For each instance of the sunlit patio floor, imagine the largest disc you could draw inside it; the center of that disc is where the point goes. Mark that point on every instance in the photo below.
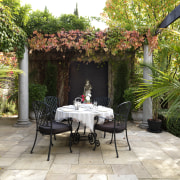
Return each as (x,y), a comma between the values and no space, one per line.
(153,156)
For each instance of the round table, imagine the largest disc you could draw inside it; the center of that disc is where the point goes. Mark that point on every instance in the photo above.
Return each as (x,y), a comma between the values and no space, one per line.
(85,114)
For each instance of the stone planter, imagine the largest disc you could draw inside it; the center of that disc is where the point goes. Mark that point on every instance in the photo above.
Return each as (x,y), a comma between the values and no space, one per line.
(137,116)
(32,115)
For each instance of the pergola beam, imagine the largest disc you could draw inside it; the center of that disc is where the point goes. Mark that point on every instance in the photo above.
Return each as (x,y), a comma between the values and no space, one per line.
(169,19)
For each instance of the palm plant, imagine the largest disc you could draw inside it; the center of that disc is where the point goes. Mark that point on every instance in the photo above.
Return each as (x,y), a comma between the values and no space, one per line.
(163,88)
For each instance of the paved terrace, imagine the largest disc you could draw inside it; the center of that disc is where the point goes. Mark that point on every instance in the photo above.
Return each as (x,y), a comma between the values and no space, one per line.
(153,156)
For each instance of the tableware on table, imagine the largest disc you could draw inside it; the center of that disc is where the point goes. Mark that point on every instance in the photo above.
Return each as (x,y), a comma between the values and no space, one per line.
(77,104)
(95,105)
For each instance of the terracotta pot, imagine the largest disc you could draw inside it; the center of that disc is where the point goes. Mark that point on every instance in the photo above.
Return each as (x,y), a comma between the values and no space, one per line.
(155,125)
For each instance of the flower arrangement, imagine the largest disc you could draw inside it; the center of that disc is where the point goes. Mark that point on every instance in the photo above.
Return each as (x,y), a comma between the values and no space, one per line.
(86,99)
(83,98)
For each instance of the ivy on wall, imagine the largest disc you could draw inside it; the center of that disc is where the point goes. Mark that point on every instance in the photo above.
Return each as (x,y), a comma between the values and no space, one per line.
(121,79)
(87,42)
(12,37)
(51,75)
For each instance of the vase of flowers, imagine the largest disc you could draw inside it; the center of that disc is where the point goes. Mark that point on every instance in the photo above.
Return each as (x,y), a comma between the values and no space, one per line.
(86,99)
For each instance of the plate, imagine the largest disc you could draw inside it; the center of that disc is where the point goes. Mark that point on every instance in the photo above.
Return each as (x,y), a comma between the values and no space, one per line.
(68,107)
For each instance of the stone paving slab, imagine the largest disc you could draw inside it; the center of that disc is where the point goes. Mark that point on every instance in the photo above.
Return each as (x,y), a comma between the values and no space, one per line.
(153,156)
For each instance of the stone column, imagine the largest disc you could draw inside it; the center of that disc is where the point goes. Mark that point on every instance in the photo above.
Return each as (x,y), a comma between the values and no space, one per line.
(147,105)
(23,105)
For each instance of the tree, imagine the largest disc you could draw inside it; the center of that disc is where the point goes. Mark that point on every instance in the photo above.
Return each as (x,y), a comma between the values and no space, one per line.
(137,15)
(73,22)
(76,11)
(42,21)
(46,23)
(19,13)
(12,37)
(145,16)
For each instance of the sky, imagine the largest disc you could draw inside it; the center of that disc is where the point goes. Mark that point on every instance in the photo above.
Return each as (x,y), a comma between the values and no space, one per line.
(86,8)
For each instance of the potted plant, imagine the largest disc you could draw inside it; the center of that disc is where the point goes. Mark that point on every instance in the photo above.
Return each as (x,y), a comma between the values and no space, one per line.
(37,92)
(164,88)
(130,95)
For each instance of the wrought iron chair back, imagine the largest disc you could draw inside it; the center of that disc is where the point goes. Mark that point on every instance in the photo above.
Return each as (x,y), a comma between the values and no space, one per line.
(46,125)
(103,101)
(42,112)
(116,125)
(53,103)
(123,113)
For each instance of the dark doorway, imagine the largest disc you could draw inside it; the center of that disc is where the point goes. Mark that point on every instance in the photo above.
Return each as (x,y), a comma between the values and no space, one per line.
(97,74)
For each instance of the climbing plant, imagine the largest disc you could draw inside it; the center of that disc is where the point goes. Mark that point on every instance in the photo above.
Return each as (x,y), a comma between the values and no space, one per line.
(86,42)
(50,81)
(12,37)
(145,17)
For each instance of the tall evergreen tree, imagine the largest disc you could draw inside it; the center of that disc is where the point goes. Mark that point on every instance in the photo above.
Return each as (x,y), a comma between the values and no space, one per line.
(76,11)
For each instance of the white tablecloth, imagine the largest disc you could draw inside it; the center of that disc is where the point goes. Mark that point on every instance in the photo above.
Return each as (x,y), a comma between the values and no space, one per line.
(85,114)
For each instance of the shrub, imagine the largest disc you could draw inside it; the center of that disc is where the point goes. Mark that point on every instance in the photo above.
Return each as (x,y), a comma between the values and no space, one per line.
(51,79)
(37,92)
(173,126)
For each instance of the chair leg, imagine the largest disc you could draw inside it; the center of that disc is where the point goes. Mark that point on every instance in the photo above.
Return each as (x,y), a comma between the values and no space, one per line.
(95,142)
(84,129)
(54,137)
(34,142)
(50,144)
(117,155)
(128,140)
(70,142)
(104,134)
(111,138)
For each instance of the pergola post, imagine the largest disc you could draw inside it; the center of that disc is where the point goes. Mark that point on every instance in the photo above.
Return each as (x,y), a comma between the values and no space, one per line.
(23,105)
(147,105)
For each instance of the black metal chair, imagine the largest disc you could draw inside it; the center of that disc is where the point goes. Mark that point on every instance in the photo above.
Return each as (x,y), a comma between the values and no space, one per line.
(103,101)
(53,102)
(116,125)
(47,126)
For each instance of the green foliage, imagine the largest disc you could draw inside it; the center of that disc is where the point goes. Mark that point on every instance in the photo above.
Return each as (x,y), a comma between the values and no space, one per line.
(119,40)
(120,81)
(164,88)
(19,13)
(138,14)
(167,56)
(72,22)
(42,21)
(12,37)
(173,126)
(141,15)
(7,107)
(51,79)
(46,23)
(7,72)
(130,95)
(76,11)
(37,92)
